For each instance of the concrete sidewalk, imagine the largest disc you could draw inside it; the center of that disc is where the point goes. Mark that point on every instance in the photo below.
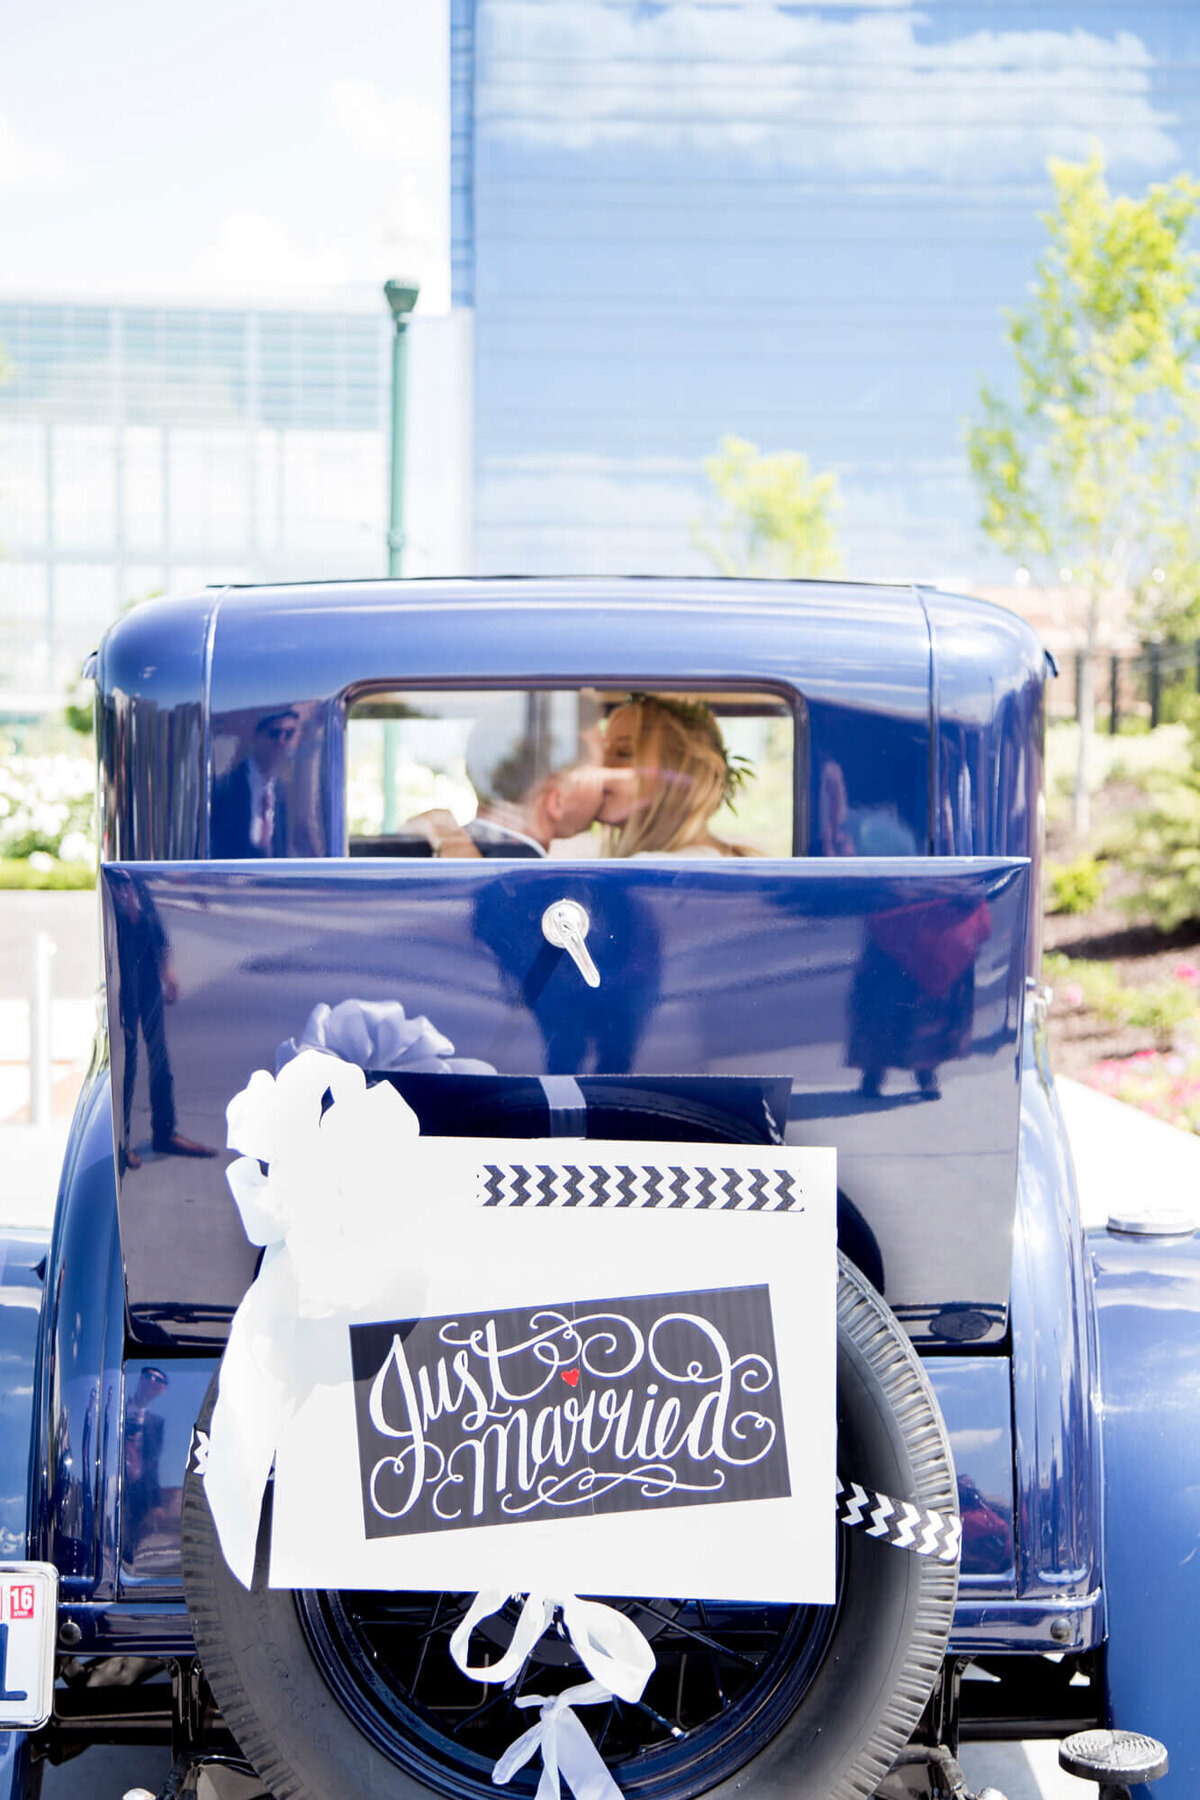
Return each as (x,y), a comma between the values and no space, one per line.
(1124,1159)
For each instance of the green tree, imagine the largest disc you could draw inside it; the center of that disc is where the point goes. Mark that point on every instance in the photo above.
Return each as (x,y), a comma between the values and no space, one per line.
(776,516)
(1090,470)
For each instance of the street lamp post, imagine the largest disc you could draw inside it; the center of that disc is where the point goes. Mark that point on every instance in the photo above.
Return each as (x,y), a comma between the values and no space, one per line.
(401,297)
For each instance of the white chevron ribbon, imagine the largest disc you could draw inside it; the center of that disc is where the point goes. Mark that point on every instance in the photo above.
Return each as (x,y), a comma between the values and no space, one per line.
(923,1530)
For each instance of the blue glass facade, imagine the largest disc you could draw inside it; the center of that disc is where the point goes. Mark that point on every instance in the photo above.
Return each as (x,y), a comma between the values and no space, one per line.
(676,219)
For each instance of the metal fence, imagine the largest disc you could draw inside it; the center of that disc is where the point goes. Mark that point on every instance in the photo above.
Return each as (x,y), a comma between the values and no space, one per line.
(1145,685)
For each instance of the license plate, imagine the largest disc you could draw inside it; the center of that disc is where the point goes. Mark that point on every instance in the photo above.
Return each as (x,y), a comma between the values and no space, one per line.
(28,1620)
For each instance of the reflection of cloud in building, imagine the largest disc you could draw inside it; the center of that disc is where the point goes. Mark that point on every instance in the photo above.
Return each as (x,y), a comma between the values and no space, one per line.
(595,514)
(609,514)
(861,93)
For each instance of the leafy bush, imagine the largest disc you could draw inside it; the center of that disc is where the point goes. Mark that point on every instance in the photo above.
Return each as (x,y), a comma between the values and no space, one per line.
(41,871)
(1161,850)
(46,807)
(1074,887)
(1160,1007)
(1080,982)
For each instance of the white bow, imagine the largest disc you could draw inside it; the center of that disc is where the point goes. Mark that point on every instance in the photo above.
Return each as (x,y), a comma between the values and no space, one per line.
(379,1035)
(607,1642)
(314,1208)
(566,1748)
(317,1205)
(615,1655)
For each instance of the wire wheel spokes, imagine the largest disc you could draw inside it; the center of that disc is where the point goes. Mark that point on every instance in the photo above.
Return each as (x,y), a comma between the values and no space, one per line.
(726,1675)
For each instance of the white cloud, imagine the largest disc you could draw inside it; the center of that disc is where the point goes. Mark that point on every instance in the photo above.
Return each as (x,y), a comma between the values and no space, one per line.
(252,251)
(861,94)
(408,133)
(402,146)
(390,155)
(25,160)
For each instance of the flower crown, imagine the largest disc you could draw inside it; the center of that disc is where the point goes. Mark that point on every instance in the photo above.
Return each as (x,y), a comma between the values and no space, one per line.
(697,714)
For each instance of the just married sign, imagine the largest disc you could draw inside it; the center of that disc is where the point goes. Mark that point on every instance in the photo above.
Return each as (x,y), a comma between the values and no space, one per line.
(563,1366)
(565,1411)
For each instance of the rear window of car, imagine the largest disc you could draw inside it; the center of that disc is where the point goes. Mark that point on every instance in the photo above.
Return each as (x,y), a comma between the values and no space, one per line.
(570,772)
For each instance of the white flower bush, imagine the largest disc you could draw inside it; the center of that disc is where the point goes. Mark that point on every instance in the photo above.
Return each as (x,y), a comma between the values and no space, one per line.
(46,808)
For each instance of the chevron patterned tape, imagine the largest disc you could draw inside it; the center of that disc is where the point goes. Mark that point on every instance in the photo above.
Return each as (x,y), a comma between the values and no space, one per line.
(616,1185)
(899,1522)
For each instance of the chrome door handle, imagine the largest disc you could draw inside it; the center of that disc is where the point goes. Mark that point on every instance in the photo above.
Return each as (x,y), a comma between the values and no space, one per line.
(565,925)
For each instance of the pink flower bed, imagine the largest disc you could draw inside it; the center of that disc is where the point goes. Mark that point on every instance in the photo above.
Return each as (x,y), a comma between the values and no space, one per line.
(1165,1083)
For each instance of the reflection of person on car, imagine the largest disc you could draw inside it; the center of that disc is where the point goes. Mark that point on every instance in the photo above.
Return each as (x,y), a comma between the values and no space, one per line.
(669,773)
(912,1001)
(141,1493)
(249,805)
(147,982)
(527,793)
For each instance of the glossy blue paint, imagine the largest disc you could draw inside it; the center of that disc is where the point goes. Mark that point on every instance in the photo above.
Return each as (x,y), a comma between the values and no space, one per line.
(22,1273)
(130,1627)
(1053,1369)
(1069,1377)
(995,1627)
(784,971)
(818,643)
(78,1411)
(989,744)
(163,1397)
(1147,1315)
(973,1392)
(943,769)
(151,729)
(16,1765)
(975,1395)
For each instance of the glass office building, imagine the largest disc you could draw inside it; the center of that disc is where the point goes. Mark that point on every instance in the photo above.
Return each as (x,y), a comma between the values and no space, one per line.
(150,448)
(797,223)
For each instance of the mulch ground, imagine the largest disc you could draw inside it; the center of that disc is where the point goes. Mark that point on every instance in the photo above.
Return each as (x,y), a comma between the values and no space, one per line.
(1140,955)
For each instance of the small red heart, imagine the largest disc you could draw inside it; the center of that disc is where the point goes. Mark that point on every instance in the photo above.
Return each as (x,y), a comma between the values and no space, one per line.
(570,1376)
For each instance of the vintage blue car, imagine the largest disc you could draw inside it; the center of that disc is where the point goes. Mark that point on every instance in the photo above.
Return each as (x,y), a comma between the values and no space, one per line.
(748,865)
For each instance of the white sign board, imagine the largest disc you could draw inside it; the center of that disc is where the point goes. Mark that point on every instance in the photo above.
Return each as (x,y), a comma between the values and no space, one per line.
(609,1368)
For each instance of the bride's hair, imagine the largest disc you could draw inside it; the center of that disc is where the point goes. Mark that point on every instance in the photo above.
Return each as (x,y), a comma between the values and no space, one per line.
(683,774)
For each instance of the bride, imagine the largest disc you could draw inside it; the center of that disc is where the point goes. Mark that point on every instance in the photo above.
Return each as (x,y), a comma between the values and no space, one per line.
(671,773)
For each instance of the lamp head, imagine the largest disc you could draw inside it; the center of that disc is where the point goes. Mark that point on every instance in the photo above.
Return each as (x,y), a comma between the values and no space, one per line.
(401,296)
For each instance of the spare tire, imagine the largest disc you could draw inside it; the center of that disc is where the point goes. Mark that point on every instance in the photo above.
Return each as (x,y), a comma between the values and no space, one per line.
(336,1694)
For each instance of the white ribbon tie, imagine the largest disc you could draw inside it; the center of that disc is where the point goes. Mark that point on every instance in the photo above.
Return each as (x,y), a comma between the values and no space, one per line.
(614,1653)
